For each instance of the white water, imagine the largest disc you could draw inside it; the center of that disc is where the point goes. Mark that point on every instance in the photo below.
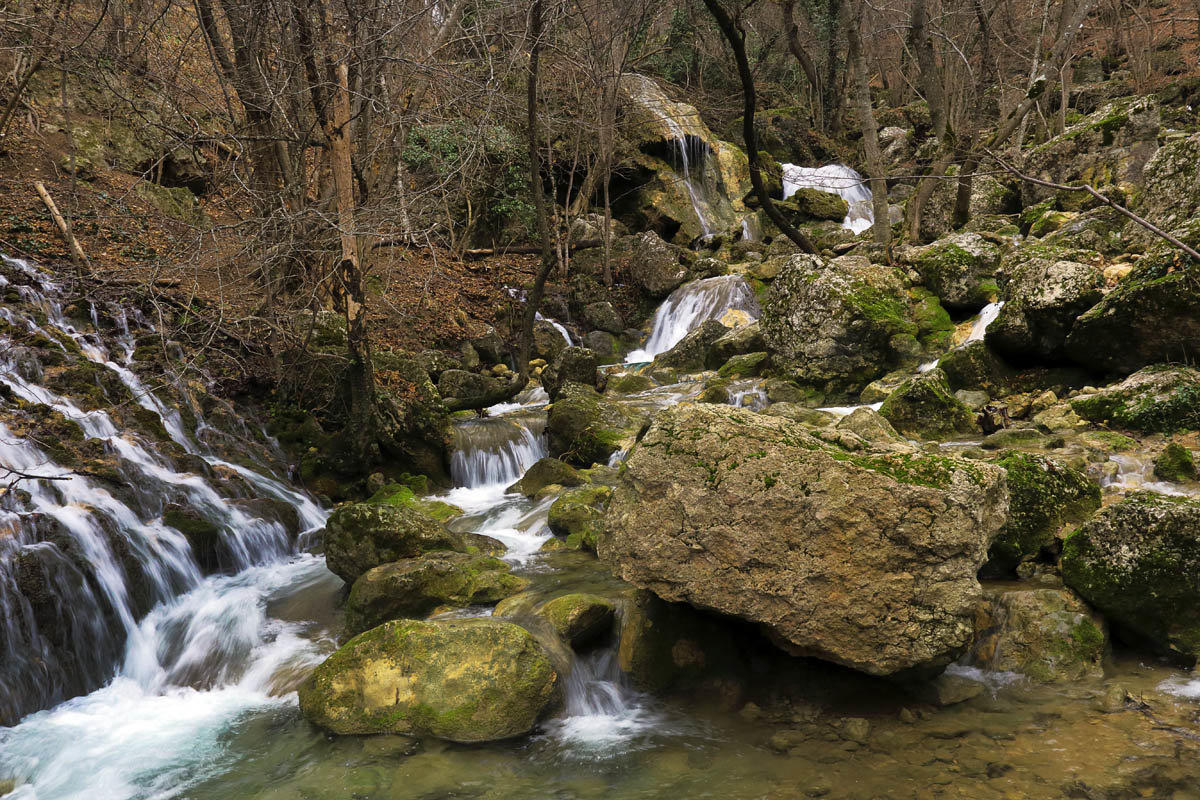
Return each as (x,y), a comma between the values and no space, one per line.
(205,654)
(987,316)
(845,411)
(496,451)
(835,179)
(690,306)
(1135,473)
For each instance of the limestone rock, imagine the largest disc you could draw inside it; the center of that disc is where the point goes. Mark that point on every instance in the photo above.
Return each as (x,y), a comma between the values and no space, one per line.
(1046,634)
(736,342)
(603,317)
(924,406)
(960,269)
(574,364)
(692,351)
(1041,302)
(578,515)
(586,428)
(362,535)
(547,472)
(752,516)
(1157,399)
(1175,463)
(470,680)
(579,618)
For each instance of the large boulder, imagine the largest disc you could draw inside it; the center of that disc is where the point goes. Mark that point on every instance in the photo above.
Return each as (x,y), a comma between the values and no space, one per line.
(865,559)
(1138,562)
(586,427)
(1170,196)
(1045,634)
(837,327)
(462,390)
(1044,494)
(960,269)
(654,266)
(1157,399)
(361,536)
(548,341)
(602,316)
(925,407)
(574,364)
(469,680)
(577,515)
(738,341)
(580,619)
(692,351)
(1041,302)
(977,367)
(547,472)
(413,588)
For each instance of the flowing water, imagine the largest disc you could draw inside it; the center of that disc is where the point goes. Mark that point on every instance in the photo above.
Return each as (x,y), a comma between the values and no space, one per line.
(987,316)
(691,305)
(835,179)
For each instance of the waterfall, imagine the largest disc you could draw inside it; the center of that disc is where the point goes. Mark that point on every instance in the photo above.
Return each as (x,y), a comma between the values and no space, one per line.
(87,563)
(690,306)
(986,317)
(496,451)
(834,179)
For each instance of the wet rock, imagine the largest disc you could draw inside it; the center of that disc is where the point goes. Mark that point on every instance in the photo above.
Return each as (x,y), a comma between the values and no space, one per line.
(1175,463)
(604,345)
(585,427)
(548,341)
(603,317)
(579,619)
(490,346)
(627,384)
(1157,399)
(547,472)
(1045,634)
(925,407)
(855,729)
(1138,562)
(473,680)
(413,588)
(652,265)
(692,351)
(574,364)
(960,269)
(361,536)
(578,516)
(750,365)
(975,366)
(1041,302)
(833,328)
(206,539)
(752,516)
(810,204)
(1044,494)
(870,425)
(1014,437)
(462,390)
(949,690)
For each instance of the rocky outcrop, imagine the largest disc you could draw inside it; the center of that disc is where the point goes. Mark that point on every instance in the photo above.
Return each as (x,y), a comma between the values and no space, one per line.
(574,364)
(692,351)
(1138,562)
(586,427)
(1158,399)
(465,390)
(602,316)
(361,536)
(837,327)
(960,269)
(1044,494)
(470,680)
(924,406)
(751,516)
(1041,302)
(1170,196)
(1049,635)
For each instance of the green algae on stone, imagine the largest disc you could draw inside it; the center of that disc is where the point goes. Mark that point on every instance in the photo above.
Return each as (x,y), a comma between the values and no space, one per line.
(471,680)
(578,515)
(360,536)
(1175,463)
(1156,399)
(925,406)
(579,618)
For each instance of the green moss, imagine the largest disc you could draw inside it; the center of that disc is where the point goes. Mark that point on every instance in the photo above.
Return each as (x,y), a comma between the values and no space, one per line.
(1151,412)
(1175,463)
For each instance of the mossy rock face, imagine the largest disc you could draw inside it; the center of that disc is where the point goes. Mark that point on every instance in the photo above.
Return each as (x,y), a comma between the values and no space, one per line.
(1158,399)
(924,406)
(1044,495)
(961,270)
(547,472)
(627,384)
(179,204)
(361,536)
(602,316)
(395,494)
(573,365)
(586,428)
(750,365)
(691,353)
(653,265)
(1048,635)
(716,390)
(578,515)
(1171,194)
(1175,463)
(471,680)
(1042,300)
(461,389)
(870,425)
(934,326)
(977,367)
(741,340)
(579,619)
(1138,562)
(413,588)
(809,204)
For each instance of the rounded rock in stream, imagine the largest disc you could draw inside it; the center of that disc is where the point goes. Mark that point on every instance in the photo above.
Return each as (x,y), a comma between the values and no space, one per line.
(579,618)
(471,680)
(364,535)
(866,559)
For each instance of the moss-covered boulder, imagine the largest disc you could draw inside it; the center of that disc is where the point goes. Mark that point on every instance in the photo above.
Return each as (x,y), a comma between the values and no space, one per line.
(547,472)
(691,353)
(585,427)
(580,619)
(464,390)
(361,536)
(1175,463)
(836,326)
(653,265)
(750,365)
(924,406)
(602,316)
(960,269)
(573,365)
(471,680)
(809,204)
(578,515)
(1171,189)
(1048,635)
(1043,495)
(1042,299)
(977,367)
(395,494)
(870,425)
(1157,399)
(1138,562)
(627,384)
(741,340)
(413,588)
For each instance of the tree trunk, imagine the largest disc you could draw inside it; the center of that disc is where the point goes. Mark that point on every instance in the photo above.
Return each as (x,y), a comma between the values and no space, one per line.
(931,74)
(737,42)
(882,229)
(805,61)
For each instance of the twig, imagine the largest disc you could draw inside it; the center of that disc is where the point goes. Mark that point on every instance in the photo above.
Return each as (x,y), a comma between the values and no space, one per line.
(1145,223)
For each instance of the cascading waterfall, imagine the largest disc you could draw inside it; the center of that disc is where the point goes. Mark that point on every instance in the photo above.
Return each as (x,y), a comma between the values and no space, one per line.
(986,317)
(690,306)
(496,451)
(835,179)
(96,590)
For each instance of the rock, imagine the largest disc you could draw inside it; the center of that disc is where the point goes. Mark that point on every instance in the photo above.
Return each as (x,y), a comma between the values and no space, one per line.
(1138,563)
(1045,634)
(870,425)
(975,366)
(949,690)
(578,515)
(604,345)
(692,351)
(490,346)
(735,318)
(1041,302)
(470,680)
(414,587)
(855,729)
(960,269)
(461,389)
(652,265)
(750,365)
(435,362)
(579,619)
(603,317)
(574,364)
(1014,437)
(834,329)
(752,516)
(972,400)
(737,342)
(548,341)
(361,536)
(923,406)
(1175,463)
(206,539)
(547,472)
(1044,494)
(1170,196)
(585,427)
(627,384)
(1157,399)
(810,204)
(672,645)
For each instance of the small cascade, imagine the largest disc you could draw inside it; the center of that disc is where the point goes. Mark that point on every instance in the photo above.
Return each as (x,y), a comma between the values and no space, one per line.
(604,714)
(558,326)
(748,394)
(690,306)
(986,317)
(835,179)
(1135,473)
(496,451)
